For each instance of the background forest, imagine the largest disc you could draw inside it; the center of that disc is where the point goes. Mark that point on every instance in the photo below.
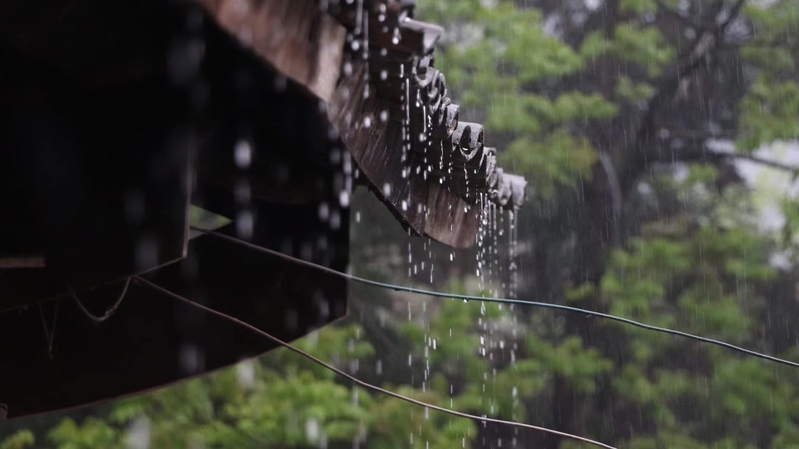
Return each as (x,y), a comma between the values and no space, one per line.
(658,136)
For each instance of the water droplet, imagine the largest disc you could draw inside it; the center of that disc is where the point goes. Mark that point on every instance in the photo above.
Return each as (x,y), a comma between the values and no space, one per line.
(344,198)
(324,212)
(139,433)
(280,83)
(335,220)
(245,374)
(245,223)
(312,429)
(242,154)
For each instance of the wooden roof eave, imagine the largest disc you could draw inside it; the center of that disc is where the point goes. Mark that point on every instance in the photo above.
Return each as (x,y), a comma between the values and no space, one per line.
(365,64)
(295,36)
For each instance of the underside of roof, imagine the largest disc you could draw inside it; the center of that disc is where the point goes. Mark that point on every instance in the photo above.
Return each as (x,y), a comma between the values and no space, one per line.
(118,118)
(101,158)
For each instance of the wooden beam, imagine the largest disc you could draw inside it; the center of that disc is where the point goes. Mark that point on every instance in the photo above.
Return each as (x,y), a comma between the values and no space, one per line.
(22,262)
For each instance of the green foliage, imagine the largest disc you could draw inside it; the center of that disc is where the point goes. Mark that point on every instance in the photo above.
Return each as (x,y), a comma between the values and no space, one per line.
(632,92)
(791,210)
(638,6)
(92,433)
(535,113)
(769,112)
(692,281)
(642,46)
(502,49)
(426,428)
(19,440)
(770,107)
(578,365)
(556,161)
(677,439)
(511,51)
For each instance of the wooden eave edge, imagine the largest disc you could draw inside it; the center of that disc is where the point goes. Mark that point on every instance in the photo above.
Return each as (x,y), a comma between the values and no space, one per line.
(363,64)
(296,37)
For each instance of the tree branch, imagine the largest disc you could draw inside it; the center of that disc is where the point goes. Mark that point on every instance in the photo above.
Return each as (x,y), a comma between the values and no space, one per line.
(668,85)
(685,20)
(700,152)
(759,160)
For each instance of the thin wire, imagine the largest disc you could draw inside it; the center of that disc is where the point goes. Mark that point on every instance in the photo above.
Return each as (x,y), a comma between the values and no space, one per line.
(44,323)
(360,382)
(49,333)
(503,301)
(108,313)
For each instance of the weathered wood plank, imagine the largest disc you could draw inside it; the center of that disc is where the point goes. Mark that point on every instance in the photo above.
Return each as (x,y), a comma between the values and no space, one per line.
(451,220)
(365,125)
(22,262)
(295,36)
(430,168)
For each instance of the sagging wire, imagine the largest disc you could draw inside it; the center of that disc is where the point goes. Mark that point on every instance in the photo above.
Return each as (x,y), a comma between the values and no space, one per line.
(108,313)
(588,313)
(362,383)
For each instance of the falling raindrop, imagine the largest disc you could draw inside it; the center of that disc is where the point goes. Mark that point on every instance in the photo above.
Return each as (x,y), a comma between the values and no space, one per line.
(242,154)
(312,429)
(344,198)
(245,223)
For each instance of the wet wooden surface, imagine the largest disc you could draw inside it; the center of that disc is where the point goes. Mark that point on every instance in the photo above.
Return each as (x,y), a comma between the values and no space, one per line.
(425,163)
(295,36)
(368,127)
